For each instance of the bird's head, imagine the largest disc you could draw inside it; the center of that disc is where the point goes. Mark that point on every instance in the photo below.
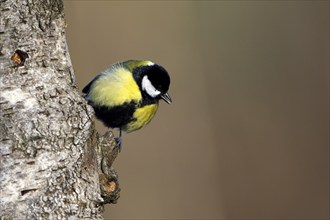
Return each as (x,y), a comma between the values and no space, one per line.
(153,80)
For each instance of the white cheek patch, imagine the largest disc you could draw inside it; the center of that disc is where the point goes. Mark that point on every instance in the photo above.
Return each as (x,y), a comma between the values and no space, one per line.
(149,88)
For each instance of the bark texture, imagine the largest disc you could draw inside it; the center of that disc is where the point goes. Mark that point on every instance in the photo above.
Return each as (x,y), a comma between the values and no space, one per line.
(53,163)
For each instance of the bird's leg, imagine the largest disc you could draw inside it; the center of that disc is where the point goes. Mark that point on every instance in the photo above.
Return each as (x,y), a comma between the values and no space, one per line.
(119,140)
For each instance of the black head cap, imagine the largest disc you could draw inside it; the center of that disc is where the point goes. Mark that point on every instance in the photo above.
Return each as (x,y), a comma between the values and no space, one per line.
(158,77)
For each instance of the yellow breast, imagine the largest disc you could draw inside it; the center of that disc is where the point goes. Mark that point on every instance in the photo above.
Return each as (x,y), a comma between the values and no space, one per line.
(142,117)
(115,88)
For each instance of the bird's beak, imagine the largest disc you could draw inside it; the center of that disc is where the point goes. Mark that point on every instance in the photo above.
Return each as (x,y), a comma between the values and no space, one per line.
(166,97)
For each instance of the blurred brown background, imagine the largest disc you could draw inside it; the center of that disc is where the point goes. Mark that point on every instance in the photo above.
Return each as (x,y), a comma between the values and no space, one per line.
(247,135)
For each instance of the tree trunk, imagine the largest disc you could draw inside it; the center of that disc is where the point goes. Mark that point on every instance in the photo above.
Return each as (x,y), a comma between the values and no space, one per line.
(53,163)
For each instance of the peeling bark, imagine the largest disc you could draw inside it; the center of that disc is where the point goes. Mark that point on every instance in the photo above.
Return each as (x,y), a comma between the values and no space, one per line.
(53,164)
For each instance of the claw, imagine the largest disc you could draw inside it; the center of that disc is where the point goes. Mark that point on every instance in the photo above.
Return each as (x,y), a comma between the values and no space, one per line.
(119,141)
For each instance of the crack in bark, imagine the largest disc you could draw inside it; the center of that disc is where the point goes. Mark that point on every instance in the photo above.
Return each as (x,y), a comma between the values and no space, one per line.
(23,192)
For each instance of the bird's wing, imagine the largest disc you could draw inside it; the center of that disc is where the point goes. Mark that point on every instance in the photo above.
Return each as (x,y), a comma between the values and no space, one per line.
(88,86)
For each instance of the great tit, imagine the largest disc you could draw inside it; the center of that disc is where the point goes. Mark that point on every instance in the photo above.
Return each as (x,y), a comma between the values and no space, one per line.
(126,95)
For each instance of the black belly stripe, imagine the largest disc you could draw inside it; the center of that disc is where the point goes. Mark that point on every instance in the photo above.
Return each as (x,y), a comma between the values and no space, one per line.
(117,116)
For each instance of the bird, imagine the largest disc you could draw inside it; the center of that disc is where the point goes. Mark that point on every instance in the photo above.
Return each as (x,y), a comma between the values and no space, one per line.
(126,95)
